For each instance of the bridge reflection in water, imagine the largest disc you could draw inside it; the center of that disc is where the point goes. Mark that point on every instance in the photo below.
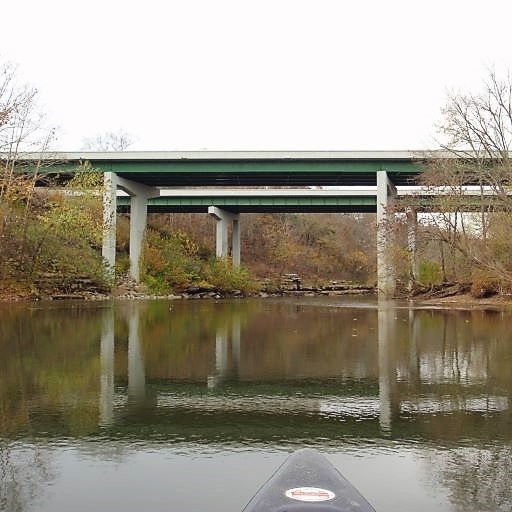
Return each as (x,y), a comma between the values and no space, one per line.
(403,384)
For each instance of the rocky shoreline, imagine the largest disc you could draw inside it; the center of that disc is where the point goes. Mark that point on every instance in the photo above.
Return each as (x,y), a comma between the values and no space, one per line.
(131,291)
(237,294)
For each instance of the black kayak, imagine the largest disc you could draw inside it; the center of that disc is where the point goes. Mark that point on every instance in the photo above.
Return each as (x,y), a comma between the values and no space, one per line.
(308,482)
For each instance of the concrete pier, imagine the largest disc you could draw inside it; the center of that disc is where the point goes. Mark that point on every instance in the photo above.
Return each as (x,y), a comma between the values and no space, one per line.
(412,230)
(139,195)
(108,250)
(386,192)
(224,220)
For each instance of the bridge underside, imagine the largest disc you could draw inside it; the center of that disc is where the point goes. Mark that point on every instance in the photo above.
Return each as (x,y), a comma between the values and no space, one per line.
(246,169)
(276,178)
(226,205)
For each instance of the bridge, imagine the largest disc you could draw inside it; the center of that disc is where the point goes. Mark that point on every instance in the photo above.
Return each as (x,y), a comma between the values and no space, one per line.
(147,178)
(244,200)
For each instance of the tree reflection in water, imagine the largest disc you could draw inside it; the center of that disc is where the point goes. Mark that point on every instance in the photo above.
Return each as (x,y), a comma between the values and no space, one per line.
(25,473)
(478,479)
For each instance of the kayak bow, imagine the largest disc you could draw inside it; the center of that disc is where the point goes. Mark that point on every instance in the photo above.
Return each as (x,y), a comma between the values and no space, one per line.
(308,482)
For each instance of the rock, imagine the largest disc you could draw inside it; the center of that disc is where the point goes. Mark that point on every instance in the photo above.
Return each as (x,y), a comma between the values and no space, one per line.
(67,296)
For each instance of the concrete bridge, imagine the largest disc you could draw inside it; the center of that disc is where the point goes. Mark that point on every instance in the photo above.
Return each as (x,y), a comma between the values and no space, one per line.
(144,176)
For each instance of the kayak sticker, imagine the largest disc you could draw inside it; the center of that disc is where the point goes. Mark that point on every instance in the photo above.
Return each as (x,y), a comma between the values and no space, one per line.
(310,494)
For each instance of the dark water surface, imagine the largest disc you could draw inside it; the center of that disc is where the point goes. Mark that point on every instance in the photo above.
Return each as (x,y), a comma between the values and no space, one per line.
(190,406)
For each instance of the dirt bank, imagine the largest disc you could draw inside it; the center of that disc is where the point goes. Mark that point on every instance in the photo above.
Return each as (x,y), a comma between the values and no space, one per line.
(466,301)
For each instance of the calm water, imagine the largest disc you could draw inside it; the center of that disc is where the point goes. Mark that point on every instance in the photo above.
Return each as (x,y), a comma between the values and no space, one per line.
(190,406)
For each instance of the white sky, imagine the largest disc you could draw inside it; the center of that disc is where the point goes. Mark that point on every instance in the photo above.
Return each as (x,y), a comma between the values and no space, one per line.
(254,75)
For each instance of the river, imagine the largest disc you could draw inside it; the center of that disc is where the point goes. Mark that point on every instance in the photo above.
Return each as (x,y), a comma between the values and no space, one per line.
(191,405)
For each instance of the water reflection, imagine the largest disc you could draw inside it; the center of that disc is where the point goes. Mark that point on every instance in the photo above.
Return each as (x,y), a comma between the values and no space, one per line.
(107,369)
(346,371)
(348,377)
(227,353)
(387,375)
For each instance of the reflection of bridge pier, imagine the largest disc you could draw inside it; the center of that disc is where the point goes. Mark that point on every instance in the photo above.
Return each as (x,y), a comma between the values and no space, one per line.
(137,394)
(136,372)
(330,384)
(227,358)
(389,406)
(414,358)
(227,353)
(107,368)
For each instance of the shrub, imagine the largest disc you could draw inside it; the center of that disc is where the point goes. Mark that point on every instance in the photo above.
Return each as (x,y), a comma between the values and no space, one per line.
(226,278)
(169,261)
(484,285)
(122,266)
(157,284)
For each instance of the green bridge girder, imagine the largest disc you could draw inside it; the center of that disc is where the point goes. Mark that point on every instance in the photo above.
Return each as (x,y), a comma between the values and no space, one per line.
(298,204)
(253,173)
(258,204)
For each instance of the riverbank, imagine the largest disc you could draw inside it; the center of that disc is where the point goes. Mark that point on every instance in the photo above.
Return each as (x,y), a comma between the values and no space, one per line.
(467,301)
(456,296)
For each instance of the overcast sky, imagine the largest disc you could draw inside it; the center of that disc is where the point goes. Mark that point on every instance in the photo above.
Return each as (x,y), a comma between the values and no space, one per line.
(254,75)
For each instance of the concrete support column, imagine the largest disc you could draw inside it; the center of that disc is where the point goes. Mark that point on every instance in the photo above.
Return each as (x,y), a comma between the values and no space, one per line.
(139,195)
(224,220)
(385,274)
(138,218)
(222,246)
(235,239)
(108,250)
(412,231)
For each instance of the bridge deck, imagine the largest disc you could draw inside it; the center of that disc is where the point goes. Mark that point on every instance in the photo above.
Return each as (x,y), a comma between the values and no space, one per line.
(249,168)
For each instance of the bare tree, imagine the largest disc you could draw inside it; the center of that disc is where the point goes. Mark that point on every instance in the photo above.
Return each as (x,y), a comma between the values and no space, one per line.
(470,183)
(108,141)
(22,129)
(478,132)
(478,126)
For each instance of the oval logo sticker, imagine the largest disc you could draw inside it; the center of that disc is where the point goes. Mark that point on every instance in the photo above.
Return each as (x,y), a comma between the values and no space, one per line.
(310,494)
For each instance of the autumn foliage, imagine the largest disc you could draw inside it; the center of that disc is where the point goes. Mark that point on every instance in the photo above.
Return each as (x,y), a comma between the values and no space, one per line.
(318,247)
